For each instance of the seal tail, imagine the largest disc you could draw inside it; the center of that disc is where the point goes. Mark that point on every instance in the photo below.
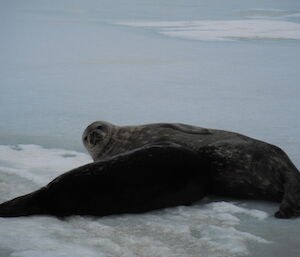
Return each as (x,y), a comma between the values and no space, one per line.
(23,206)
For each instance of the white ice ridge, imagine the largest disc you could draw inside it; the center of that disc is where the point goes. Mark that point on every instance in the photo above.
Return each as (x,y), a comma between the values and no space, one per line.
(268,13)
(222,29)
(37,164)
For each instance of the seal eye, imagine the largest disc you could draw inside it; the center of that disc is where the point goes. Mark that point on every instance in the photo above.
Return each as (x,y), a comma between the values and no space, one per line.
(85,138)
(99,127)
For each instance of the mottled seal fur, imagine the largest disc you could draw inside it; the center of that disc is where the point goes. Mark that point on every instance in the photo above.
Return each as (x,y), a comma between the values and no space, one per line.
(146,167)
(103,139)
(240,166)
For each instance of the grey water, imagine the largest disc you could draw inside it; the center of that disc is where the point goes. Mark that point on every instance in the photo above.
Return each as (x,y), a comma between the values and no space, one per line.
(230,65)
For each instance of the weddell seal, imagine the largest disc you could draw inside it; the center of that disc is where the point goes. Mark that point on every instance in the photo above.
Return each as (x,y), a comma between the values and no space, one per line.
(152,166)
(138,181)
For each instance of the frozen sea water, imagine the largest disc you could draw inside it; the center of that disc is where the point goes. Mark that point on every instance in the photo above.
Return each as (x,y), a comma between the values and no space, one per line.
(211,227)
(208,229)
(64,64)
(224,30)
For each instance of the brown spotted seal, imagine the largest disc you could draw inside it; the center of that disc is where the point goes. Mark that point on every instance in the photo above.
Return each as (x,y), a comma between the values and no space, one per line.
(103,139)
(240,166)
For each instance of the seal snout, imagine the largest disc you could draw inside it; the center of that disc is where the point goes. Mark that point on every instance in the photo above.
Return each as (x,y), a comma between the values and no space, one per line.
(90,138)
(93,138)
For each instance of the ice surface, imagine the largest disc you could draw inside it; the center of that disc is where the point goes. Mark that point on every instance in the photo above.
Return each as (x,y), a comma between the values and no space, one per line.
(64,64)
(268,13)
(202,230)
(224,30)
(208,228)
(37,165)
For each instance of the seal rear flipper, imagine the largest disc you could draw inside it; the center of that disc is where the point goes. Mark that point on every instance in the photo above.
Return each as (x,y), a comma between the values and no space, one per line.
(25,205)
(290,205)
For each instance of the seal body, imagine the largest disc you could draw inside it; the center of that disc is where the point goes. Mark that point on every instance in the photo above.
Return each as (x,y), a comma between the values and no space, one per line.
(103,139)
(141,180)
(147,167)
(240,166)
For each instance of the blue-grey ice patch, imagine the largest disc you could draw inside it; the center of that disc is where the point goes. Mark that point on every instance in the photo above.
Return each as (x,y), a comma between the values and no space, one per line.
(225,207)
(68,155)
(267,13)
(220,30)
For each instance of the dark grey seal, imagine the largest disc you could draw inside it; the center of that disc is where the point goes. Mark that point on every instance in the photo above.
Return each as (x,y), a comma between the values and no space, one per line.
(240,166)
(141,180)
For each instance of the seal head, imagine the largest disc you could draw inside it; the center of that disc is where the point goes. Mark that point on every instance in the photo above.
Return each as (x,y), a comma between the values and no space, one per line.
(103,139)
(97,136)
